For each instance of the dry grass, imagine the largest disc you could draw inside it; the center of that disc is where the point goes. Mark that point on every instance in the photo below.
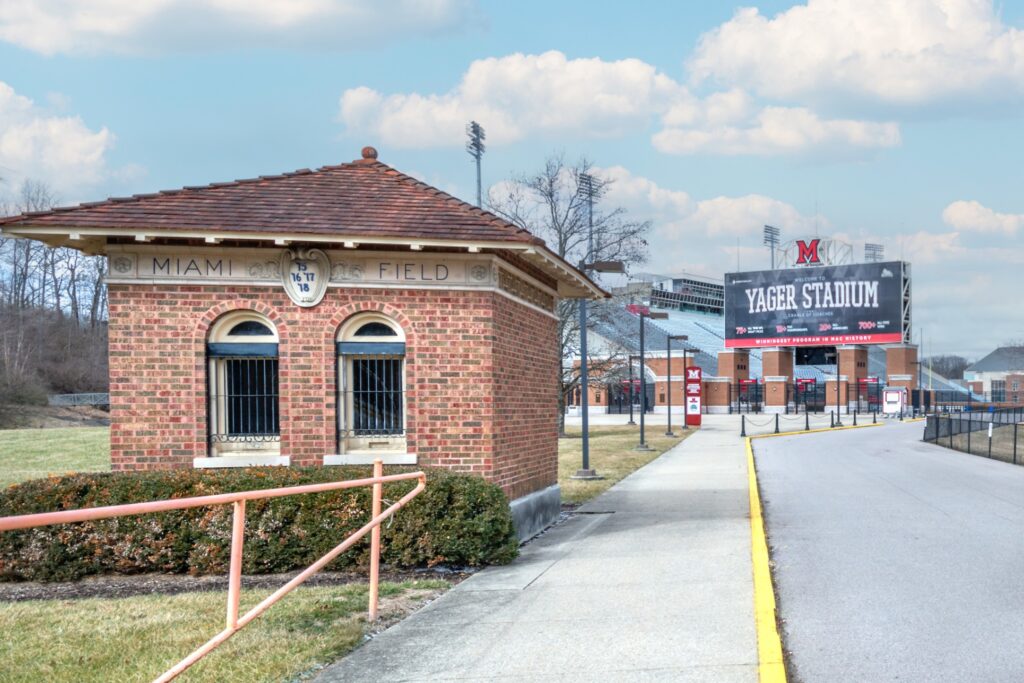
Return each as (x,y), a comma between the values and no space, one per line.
(136,639)
(34,453)
(612,454)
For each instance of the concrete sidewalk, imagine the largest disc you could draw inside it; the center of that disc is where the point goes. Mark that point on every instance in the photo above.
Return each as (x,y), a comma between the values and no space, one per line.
(652,581)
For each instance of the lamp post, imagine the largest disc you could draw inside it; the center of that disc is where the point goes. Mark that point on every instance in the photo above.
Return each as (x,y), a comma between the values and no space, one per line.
(644,312)
(589,189)
(631,420)
(668,393)
(839,420)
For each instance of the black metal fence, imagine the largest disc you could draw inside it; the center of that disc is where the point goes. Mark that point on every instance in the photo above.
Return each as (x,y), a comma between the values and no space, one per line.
(994,434)
(619,397)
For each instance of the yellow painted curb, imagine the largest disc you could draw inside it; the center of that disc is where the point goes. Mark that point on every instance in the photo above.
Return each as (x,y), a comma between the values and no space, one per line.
(817,430)
(771,668)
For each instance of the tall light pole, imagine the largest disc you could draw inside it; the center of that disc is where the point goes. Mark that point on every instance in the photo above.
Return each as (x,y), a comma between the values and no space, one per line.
(668,393)
(873,252)
(771,239)
(475,147)
(585,187)
(588,189)
(645,312)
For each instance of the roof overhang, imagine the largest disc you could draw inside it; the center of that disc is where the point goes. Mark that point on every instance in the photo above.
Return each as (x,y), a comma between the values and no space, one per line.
(572,284)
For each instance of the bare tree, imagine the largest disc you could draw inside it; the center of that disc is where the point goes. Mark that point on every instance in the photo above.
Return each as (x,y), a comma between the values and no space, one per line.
(43,291)
(550,205)
(949,366)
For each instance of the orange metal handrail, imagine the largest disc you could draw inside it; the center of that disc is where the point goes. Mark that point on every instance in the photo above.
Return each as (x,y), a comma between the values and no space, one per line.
(234,621)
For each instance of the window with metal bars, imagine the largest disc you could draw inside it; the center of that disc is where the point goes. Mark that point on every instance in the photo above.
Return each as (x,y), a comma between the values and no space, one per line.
(371,388)
(376,395)
(243,388)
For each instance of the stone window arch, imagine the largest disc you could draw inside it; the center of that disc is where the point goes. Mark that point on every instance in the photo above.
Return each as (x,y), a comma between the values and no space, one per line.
(243,385)
(371,389)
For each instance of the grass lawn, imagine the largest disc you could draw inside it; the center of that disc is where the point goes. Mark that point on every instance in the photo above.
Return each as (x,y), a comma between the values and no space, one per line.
(611,454)
(35,453)
(138,638)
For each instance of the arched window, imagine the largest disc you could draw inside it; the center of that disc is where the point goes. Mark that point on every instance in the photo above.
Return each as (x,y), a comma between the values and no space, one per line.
(244,418)
(371,385)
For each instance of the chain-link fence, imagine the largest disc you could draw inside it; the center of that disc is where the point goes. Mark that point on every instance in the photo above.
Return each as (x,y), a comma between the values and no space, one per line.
(996,434)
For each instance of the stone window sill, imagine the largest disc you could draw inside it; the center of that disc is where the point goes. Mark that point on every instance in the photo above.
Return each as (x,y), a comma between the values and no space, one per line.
(367,458)
(248,460)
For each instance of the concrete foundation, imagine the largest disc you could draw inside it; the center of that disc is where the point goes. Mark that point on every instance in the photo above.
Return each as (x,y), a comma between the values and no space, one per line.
(534,511)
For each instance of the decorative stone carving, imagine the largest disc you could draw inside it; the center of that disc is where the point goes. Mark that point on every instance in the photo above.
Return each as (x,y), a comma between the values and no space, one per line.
(265,270)
(122,264)
(480,273)
(346,272)
(305,273)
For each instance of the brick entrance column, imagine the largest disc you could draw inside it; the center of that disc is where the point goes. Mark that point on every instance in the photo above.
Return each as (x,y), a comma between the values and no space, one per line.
(844,393)
(853,363)
(901,366)
(777,369)
(733,365)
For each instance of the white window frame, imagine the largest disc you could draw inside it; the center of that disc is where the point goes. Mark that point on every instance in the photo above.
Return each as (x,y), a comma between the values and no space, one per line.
(240,452)
(363,450)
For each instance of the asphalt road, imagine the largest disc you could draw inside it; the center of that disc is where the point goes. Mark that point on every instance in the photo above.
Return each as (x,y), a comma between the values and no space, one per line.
(894,560)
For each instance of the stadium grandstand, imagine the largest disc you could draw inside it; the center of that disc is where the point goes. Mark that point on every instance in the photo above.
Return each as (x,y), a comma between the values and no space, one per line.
(694,305)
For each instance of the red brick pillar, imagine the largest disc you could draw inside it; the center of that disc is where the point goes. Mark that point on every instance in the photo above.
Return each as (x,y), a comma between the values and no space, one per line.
(777,370)
(776,393)
(844,394)
(853,363)
(777,362)
(733,365)
(901,366)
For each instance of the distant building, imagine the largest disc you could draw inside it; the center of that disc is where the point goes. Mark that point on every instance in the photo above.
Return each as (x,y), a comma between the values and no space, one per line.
(1000,374)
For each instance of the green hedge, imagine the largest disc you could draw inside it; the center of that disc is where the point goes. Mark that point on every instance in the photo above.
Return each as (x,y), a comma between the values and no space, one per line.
(458,520)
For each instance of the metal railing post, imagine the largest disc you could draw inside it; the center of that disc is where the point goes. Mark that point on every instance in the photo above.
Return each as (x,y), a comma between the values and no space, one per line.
(235,567)
(831,419)
(378,489)
(1014,443)
(807,422)
(776,423)
(854,417)
(743,425)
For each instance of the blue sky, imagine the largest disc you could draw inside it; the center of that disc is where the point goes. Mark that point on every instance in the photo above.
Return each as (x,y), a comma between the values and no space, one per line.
(895,122)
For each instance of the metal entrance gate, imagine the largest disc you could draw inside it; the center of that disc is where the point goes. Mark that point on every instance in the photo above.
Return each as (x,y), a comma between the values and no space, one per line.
(746,397)
(619,397)
(809,397)
(869,396)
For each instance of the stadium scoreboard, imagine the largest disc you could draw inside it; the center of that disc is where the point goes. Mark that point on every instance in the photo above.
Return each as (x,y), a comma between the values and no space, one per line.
(859,303)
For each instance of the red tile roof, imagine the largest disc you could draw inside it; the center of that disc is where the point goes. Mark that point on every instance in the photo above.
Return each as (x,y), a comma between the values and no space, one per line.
(364,198)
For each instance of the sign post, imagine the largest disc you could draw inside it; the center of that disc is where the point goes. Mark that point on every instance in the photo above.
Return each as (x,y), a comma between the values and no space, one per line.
(694,393)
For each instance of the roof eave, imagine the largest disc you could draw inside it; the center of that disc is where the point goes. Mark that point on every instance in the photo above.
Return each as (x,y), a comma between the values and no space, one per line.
(572,283)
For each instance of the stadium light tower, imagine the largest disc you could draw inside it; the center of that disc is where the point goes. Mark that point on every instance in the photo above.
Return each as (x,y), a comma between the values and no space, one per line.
(475,147)
(587,189)
(771,240)
(873,252)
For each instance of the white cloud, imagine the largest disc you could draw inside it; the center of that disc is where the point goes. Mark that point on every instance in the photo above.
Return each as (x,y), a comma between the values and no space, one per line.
(897,52)
(515,96)
(518,95)
(775,130)
(60,150)
(697,235)
(971,216)
(150,26)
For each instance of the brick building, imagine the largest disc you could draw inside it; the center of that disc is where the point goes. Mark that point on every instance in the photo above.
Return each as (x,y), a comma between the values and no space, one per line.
(327,317)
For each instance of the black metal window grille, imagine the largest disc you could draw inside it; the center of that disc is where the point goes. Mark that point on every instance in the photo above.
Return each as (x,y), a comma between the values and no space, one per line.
(245,397)
(375,395)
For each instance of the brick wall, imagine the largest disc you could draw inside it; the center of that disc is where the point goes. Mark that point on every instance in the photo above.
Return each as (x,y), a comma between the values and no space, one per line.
(480,372)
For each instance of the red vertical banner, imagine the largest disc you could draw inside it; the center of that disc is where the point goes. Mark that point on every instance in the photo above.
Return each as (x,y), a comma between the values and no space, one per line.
(694,396)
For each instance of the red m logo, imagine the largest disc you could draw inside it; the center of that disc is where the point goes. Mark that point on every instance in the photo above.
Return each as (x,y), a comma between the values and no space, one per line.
(808,252)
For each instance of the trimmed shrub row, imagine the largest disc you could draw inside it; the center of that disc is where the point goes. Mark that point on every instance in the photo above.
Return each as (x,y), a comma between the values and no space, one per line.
(458,520)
